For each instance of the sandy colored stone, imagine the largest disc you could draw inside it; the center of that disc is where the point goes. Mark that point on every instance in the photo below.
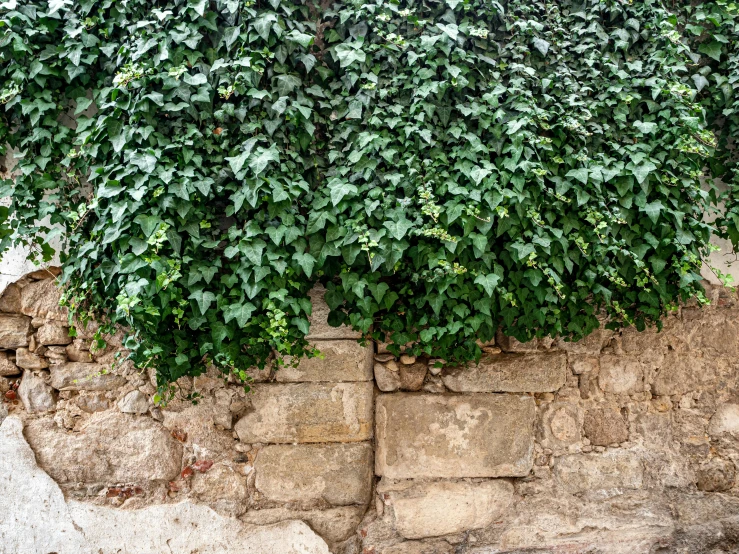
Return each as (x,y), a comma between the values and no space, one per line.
(10,301)
(613,469)
(420,547)
(412,375)
(471,435)
(620,374)
(53,333)
(678,374)
(45,273)
(135,402)
(560,425)
(334,525)
(716,475)
(340,474)
(80,376)
(343,360)
(223,488)
(605,425)
(79,351)
(541,372)
(28,360)
(725,421)
(308,412)
(7,366)
(35,394)
(387,380)
(41,299)
(319,327)
(111,448)
(93,401)
(14,331)
(434,509)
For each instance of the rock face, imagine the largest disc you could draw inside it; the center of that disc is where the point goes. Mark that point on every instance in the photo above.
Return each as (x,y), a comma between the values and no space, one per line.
(36,519)
(35,394)
(7,366)
(454,436)
(339,474)
(14,331)
(444,508)
(81,376)
(342,360)
(309,412)
(53,333)
(28,360)
(510,373)
(604,426)
(610,470)
(135,402)
(141,450)
(41,299)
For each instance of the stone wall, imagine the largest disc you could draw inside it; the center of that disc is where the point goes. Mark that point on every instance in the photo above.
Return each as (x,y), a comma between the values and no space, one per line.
(624,442)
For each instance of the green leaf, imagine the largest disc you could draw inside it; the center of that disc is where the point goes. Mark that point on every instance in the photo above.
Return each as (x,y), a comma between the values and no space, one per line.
(398,229)
(488,282)
(341,189)
(262,157)
(239,312)
(203,299)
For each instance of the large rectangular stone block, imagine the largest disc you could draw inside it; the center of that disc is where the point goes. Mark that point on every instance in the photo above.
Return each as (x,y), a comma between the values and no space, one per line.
(545,372)
(340,474)
(471,435)
(14,331)
(343,360)
(308,412)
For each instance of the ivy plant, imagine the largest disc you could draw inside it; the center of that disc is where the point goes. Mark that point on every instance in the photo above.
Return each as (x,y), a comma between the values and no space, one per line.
(445,168)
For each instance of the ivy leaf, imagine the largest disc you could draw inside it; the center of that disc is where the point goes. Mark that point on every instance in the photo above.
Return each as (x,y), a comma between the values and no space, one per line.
(488,282)
(306,262)
(700,81)
(712,49)
(237,162)
(581,174)
(653,209)
(302,39)
(347,54)
(646,127)
(286,84)
(341,189)
(239,312)
(541,45)
(203,299)
(641,172)
(398,229)
(262,157)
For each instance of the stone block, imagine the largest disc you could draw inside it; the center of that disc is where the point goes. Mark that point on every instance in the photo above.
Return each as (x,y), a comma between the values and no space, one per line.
(111,448)
(308,412)
(319,327)
(678,374)
(28,360)
(7,366)
(544,372)
(14,331)
(471,435)
(35,394)
(135,402)
(81,376)
(613,469)
(621,374)
(605,425)
(560,425)
(443,508)
(339,474)
(10,301)
(53,333)
(387,376)
(725,421)
(41,299)
(412,375)
(343,360)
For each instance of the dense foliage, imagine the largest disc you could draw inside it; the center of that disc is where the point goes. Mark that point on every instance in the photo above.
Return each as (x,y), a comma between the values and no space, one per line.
(444,168)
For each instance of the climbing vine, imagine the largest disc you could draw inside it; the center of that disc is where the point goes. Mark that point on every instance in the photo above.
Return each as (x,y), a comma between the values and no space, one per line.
(444,168)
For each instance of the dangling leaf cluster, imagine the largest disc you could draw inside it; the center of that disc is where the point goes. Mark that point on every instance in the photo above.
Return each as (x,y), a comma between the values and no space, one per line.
(444,168)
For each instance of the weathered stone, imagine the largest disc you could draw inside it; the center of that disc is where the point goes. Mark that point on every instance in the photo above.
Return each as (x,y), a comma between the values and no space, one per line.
(308,412)
(111,448)
(334,524)
(41,299)
(420,547)
(620,374)
(443,508)
(14,331)
(35,394)
(10,301)
(319,327)
(135,402)
(36,519)
(7,366)
(91,402)
(613,469)
(725,421)
(223,488)
(50,272)
(339,474)
(79,351)
(473,435)
(510,344)
(3,412)
(545,372)
(716,475)
(412,375)
(28,360)
(605,425)
(79,376)
(387,380)
(583,364)
(54,333)
(678,374)
(560,425)
(343,360)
